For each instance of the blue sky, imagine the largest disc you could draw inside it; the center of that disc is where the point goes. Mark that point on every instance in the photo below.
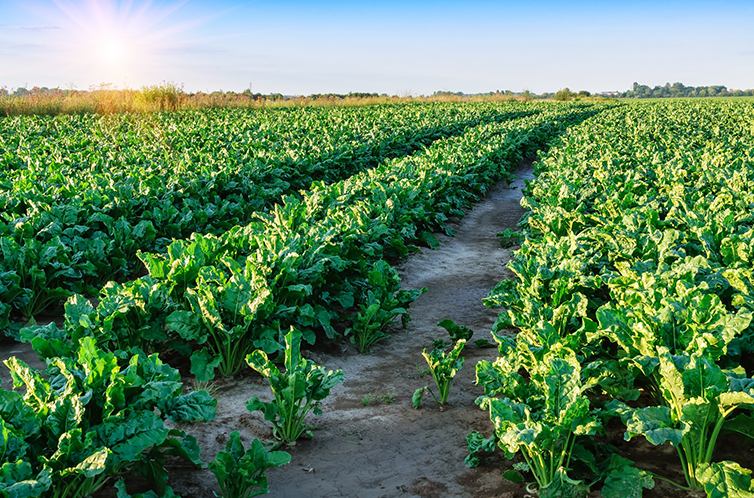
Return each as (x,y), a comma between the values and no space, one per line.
(393,47)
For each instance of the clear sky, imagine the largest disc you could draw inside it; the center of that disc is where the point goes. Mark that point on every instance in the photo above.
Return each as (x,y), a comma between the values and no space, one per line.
(393,47)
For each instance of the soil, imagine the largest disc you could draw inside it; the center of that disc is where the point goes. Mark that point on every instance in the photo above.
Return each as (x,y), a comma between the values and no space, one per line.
(370,441)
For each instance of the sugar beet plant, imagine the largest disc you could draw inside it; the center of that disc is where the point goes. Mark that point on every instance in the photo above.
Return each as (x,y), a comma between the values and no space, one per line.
(298,390)
(444,365)
(87,420)
(80,195)
(539,408)
(241,473)
(637,256)
(315,263)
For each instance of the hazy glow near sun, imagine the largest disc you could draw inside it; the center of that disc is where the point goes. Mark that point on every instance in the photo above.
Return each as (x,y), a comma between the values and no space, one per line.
(112,52)
(115,39)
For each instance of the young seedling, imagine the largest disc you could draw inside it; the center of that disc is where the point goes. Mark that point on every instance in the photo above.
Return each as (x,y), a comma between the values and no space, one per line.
(298,391)
(386,398)
(368,397)
(241,474)
(444,367)
(456,332)
(510,238)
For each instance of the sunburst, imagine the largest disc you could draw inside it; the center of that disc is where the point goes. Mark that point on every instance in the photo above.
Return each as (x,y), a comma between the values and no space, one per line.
(117,41)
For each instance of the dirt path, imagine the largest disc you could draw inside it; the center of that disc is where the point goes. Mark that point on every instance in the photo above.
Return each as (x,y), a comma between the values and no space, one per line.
(386,448)
(370,442)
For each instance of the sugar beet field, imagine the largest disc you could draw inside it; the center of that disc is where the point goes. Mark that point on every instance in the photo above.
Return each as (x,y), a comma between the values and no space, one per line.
(404,300)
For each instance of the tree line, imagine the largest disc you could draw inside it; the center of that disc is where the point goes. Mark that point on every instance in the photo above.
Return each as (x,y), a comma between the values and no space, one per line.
(680,90)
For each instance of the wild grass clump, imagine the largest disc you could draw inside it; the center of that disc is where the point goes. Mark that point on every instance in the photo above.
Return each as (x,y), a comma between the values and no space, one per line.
(168,96)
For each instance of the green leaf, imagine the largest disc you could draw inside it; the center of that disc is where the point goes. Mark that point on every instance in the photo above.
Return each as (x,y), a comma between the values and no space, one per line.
(624,480)
(184,445)
(66,413)
(292,349)
(513,476)
(129,436)
(456,332)
(196,406)
(270,410)
(656,424)
(429,239)
(725,480)
(94,465)
(703,378)
(38,391)
(742,424)
(187,325)
(203,365)
(416,399)
(563,486)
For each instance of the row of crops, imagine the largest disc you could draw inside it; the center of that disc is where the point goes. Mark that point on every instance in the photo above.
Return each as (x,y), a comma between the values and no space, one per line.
(81,195)
(298,254)
(633,303)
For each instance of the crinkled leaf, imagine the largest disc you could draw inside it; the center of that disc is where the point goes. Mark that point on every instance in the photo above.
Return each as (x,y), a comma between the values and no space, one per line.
(416,399)
(203,365)
(725,480)
(656,424)
(128,437)
(475,443)
(196,406)
(624,480)
(187,325)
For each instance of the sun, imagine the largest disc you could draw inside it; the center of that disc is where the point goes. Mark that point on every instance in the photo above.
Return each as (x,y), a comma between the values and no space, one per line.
(111,52)
(120,42)
(115,41)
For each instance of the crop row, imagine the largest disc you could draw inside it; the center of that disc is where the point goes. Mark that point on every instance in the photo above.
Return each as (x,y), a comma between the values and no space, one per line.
(314,263)
(80,195)
(633,301)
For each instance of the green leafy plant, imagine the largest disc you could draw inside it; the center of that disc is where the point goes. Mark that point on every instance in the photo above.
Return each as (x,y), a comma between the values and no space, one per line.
(384,301)
(298,390)
(241,474)
(510,238)
(540,416)
(456,332)
(87,420)
(444,366)
(475,443)
(698,397)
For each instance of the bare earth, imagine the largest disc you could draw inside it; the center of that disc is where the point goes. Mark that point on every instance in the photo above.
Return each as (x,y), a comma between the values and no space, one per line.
(387,448)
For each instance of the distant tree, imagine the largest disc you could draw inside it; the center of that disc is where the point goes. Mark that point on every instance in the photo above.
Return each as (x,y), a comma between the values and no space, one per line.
(680,90)
(564,94)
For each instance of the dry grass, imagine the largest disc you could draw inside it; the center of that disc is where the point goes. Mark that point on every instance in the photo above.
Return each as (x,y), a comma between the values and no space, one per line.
(167,96)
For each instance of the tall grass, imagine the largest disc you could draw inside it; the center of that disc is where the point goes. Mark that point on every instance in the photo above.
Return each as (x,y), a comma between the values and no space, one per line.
(169,97)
